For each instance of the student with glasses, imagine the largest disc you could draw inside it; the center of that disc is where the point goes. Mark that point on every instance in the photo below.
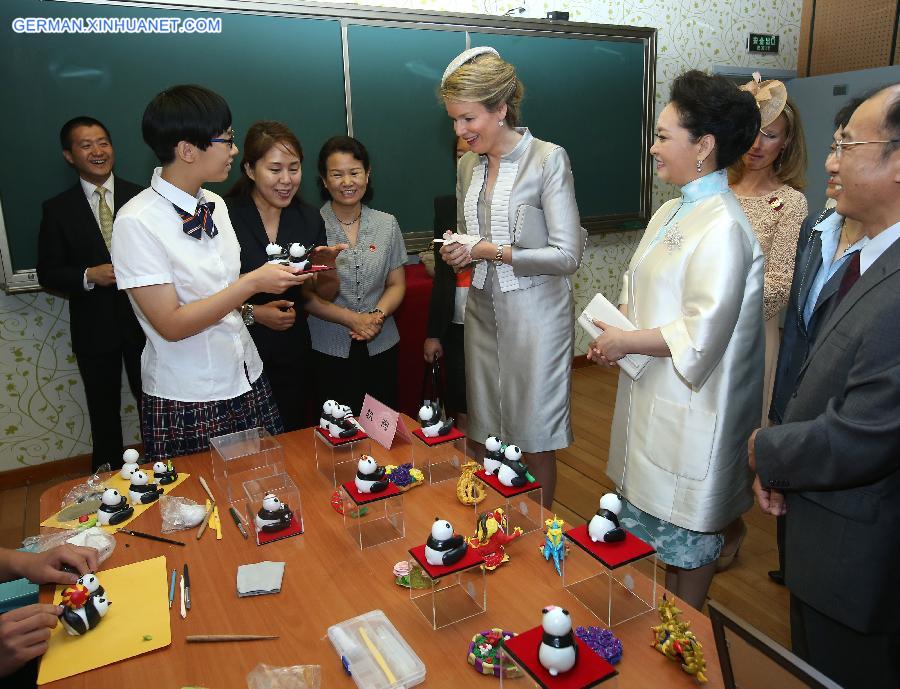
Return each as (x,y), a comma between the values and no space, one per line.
(177,255)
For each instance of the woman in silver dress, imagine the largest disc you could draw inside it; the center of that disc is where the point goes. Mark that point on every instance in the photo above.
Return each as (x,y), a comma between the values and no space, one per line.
(693,289)
(516,195)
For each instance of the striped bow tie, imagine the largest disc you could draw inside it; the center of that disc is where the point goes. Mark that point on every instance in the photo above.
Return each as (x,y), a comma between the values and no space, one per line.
(201,221)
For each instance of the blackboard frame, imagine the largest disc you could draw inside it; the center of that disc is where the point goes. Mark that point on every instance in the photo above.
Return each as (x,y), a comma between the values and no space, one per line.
(19,280)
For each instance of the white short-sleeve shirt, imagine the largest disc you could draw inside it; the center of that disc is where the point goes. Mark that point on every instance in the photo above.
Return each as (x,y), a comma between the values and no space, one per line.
(150,248)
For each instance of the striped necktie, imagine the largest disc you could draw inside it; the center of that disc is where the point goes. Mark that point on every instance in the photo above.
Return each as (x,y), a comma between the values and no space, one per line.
(106,217)
(201,221)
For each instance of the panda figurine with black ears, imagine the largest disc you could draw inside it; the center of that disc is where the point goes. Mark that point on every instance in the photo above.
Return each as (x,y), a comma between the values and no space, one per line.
(164,472)
(604,525)
(327,417)
(342,424)
(493,455)
(512,473)
(114,508)
(142,490)
(443,548)
(430,418)
(80,620)
(370,478)
(558,651)
(273,516)
(299,256)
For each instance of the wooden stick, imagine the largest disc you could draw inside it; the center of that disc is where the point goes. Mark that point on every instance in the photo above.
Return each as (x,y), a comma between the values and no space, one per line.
(206,488)
(209,512)
(208,638)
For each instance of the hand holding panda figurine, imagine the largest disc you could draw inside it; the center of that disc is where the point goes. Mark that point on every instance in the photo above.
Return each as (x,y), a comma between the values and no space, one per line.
(299,256)
(273,516)
(493,454)
(114,508)
(512,473)
(443,548)
(370,478)
(164,472)
(604,525)
(142,490)
(130,460)
(430,418)
(84,605)
(558,651)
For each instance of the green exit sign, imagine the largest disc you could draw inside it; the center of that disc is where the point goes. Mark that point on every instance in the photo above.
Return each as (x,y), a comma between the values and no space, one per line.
(762,43)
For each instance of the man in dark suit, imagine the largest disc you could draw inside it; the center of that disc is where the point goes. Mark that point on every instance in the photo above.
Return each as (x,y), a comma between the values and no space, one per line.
(825,245)
(74,259)
(833,465)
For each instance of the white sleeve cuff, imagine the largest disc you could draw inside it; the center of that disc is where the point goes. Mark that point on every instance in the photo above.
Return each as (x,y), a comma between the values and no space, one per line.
(87,285)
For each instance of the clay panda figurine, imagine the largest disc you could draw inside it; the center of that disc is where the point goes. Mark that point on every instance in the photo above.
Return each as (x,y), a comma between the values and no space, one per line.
(273,516)
(164,473)
(276,254)
(142,490)
(512,473)
(558,651)
(92,584)
(443,548)
(114,508)
(493,454)
(343,426)
(129,463)
(327,417)
(81,620)
(299,256)
(430,417)
(370,478)
(604,525)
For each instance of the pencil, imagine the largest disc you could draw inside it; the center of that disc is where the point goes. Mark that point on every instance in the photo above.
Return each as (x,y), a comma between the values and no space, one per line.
(172,588)
(207,638)
(206,488)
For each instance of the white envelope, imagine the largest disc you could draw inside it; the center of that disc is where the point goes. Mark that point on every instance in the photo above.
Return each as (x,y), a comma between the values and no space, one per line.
(602,309)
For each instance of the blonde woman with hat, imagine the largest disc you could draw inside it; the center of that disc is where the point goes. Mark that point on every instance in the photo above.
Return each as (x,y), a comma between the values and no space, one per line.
(768,181)
(515,200)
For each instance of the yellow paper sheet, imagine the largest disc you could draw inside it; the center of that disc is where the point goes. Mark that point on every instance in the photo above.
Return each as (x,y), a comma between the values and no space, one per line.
(139,606)
(121,485)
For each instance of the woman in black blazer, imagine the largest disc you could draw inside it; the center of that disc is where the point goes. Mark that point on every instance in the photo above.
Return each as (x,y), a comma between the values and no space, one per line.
(265,208)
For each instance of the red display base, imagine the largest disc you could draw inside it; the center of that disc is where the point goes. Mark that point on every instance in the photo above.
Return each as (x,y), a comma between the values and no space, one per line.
(366,498)
(589,671)
(454,434)
(295,529)
(505,491)
(469,560)
(315,269)
(611,555)
(335,442)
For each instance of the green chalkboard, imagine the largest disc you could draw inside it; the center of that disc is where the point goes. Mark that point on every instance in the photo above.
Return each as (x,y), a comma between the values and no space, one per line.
(279,68)
(588,88)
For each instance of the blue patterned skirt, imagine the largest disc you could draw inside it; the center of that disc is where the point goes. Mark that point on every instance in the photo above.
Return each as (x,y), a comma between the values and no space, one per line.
(674,545)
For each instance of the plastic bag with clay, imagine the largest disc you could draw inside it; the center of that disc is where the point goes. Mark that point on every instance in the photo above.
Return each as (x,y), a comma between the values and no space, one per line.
(179,513)
(294,677)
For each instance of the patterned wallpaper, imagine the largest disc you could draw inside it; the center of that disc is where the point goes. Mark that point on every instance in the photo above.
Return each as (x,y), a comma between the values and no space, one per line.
(43,415)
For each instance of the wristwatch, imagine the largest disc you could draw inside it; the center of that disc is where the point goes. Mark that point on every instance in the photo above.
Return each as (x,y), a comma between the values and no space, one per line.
(498,259)
(247,314)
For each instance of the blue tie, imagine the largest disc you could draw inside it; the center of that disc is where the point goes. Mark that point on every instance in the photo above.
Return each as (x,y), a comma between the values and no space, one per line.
(201,221)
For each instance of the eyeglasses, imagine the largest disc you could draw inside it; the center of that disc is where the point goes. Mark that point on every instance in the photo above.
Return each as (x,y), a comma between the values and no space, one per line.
(837,147)
(229,141)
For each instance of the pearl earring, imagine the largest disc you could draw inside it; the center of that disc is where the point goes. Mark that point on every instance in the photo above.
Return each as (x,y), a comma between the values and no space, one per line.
(499,123)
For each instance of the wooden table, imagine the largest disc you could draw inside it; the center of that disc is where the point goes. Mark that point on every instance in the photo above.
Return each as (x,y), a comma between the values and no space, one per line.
(328,579)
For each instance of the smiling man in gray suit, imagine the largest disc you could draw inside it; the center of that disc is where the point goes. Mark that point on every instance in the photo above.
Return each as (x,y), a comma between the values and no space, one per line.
(833,466)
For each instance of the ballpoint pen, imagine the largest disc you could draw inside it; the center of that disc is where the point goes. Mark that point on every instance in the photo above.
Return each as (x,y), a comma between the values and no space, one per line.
(237,520)
(150,536)
(187,588)
(172,587)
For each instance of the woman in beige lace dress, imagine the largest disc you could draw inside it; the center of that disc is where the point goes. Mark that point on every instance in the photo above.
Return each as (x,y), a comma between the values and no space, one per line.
(767,181)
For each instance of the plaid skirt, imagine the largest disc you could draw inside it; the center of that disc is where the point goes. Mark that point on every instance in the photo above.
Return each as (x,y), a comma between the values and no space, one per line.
(171,428)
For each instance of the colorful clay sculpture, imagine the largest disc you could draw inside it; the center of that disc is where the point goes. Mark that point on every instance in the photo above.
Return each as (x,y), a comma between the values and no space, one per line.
(493,454)
(469,490)
(130,459)
(554,543)
(558,651)
(142,490)
(405,476)
(491,537)
(674,639)
(444,548)
(433,425)
(84,605)
(273,516)
(114,508)
(602,642)
(370,478)
(164,472)
(485,654)
(604,525)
